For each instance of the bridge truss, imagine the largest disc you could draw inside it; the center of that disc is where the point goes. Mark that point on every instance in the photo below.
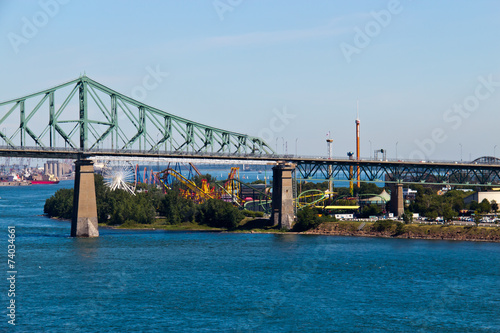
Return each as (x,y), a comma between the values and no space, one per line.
(86,116)
(442,173)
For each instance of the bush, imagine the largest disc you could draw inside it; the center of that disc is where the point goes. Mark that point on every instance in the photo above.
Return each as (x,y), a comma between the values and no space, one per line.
(251,213)
(114,207)
(122,206)
(219,214)
(397,228)
(307,218)
(60,204)
(384,225)
(371,210)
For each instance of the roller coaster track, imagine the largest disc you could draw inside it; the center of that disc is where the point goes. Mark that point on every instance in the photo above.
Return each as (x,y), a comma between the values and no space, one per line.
(322,196)
(201,193)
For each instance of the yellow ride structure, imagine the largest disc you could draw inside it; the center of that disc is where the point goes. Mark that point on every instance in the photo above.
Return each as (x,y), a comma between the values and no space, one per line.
(229,190)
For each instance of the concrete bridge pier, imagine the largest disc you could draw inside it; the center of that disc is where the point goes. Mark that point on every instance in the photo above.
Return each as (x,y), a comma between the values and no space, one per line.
(397,204)
(84,221)
(283,212)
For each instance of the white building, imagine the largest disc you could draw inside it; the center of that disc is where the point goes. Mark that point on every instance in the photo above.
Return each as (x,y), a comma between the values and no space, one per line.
(409,194)
(480,196)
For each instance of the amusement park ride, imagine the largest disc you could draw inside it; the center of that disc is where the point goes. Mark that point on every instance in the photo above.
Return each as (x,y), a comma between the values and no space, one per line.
(190,183)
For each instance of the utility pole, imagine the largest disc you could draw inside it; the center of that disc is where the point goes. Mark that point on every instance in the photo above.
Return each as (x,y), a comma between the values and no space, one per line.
(329,142)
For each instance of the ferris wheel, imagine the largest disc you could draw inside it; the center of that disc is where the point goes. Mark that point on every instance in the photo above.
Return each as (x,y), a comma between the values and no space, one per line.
(120,175)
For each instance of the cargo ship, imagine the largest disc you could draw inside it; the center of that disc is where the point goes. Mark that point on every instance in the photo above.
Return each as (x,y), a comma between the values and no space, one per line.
(13,180)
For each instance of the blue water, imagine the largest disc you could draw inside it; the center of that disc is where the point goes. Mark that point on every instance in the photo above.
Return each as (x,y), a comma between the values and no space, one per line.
(156,281)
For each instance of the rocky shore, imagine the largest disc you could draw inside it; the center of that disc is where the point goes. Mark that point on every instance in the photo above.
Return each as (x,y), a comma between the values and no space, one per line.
(414,231)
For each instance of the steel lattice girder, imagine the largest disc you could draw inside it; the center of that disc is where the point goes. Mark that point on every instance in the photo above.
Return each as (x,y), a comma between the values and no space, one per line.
(124,122)
(400,172)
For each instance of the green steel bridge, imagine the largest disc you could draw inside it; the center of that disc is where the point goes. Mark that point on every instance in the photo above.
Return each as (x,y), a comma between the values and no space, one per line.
(83,118)
(85,115)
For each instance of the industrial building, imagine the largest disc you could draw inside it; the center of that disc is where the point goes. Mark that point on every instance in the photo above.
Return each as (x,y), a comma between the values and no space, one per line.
(480,196)
(57,168)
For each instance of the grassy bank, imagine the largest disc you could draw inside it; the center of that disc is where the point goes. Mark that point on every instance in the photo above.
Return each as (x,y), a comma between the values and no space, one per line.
(387,229)
(158,225)
(248,224)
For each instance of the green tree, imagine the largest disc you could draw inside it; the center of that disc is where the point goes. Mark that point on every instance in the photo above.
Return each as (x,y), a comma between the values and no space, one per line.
(368,188)
(169,208)
(408,217)
(197,179)
(485,206)
(219,214)
(477,217)
(494,206)
(428,203)
(432,214)
(307,218)
(370,210)
(60,204)
(473,205)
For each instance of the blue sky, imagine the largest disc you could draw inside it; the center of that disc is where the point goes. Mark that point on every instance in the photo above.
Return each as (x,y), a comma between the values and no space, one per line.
(237,64)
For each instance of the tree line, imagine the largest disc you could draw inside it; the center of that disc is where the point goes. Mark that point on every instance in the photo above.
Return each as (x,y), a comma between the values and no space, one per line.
(431,205)
(119,207)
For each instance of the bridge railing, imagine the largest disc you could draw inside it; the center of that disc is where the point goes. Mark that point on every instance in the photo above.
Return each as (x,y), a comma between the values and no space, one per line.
(272,156)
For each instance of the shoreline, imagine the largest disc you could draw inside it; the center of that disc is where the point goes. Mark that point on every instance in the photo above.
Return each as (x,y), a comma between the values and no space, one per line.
(346,228)
(410,231)
(347,234)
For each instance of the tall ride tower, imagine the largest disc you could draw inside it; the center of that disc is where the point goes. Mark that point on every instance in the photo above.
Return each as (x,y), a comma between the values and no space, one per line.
(329,142)
(357,142)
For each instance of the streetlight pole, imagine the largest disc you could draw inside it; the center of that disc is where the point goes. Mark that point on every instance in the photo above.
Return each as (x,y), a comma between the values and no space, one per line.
(277,145)
(283,139)
(460,152)
(370,148)
(296,140)
(494,153)
(397,149)
(158,150)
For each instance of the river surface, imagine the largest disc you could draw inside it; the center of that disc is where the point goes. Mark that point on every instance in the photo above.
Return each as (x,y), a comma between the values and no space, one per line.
(157,281)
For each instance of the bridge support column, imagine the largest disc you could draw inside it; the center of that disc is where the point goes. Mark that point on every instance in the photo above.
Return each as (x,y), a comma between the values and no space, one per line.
(84,222)
(283,212)
(397,204)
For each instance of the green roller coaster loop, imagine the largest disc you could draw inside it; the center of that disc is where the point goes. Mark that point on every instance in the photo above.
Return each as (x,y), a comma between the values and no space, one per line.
(323,196)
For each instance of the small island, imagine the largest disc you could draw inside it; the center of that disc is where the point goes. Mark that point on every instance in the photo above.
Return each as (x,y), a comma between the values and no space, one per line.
(152,208)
